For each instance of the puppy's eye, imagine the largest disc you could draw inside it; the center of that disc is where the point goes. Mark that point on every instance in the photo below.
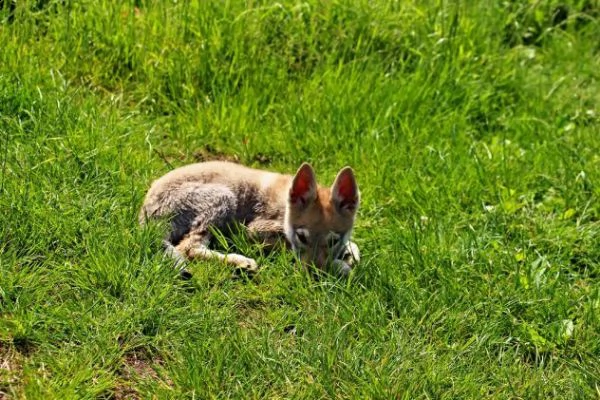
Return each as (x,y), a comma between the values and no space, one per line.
(302,237)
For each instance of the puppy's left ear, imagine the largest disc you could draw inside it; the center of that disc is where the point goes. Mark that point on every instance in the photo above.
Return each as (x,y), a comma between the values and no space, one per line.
(344,191)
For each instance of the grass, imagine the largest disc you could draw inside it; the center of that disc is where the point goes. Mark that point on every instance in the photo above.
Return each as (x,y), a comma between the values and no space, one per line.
(472,126)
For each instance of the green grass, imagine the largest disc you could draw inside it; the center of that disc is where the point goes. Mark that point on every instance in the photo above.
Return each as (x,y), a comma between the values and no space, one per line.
(473,128)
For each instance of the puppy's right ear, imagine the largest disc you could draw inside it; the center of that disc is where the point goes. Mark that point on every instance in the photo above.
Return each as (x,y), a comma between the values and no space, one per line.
(304,187)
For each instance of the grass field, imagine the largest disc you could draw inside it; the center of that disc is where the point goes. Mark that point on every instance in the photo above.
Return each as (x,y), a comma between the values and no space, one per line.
(473,127)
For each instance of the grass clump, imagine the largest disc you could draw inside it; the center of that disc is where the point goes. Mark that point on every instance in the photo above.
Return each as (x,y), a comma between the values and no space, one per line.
(472,127)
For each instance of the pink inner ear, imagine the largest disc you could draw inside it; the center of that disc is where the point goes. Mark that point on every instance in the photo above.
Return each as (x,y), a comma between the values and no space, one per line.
(299,192)
(347,192)
(302,187)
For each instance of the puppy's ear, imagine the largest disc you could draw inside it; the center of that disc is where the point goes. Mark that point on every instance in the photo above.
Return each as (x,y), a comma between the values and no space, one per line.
(304,187)
(344,191)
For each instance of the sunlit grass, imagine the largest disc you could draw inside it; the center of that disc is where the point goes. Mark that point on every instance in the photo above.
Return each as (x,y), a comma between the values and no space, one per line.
(473,130)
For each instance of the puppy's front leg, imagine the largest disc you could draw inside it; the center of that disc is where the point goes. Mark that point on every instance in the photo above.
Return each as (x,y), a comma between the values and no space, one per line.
(349,258)
(268,232)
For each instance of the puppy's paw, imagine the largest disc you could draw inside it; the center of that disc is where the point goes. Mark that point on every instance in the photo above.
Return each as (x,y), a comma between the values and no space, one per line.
(243,265)
(341,268)
(351,254)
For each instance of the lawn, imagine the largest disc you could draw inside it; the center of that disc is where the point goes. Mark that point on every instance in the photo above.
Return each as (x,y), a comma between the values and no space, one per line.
(474,131)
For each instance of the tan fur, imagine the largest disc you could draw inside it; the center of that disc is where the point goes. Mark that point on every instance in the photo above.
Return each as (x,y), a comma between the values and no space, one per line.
(270,205)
